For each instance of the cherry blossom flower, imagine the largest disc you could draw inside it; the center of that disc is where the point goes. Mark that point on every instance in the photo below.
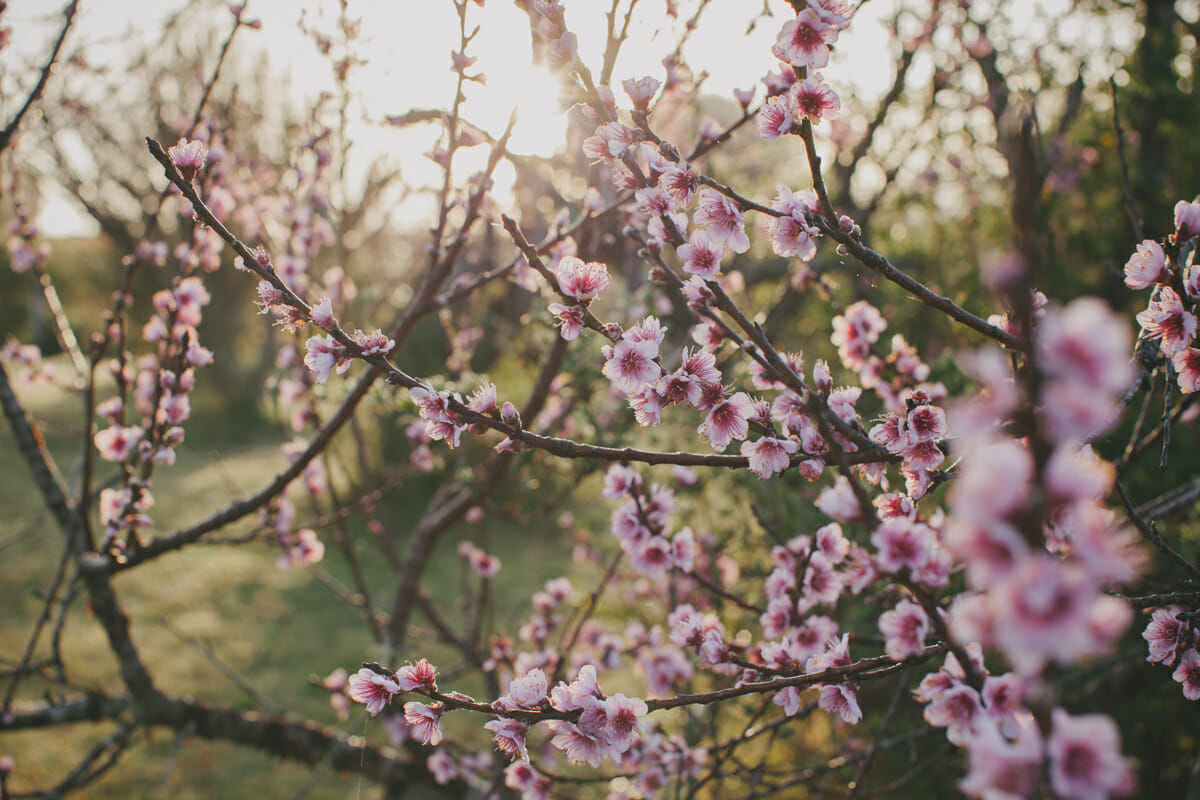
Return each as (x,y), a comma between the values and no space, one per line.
(1166,635)
(509,736)
(631,363)
(322,313)
(622,715)
(580,691)
(443,767)
(812,99)
(1187,221)
(769,455)
(641,91)
(568,320)
(1001,769)
(1187,365)
(421,676)
(1167,320)
(425,721)
(728,420)
(1087,344)
(1188,673)
(375,343)
(1085,757)
(904,628)
(804,41)
(188,157)
(375,690)
(774,118)
(118,442)
(842,700)
(321,355)
(681,182)
(526,691)
(701,255)
(582,280)
(1145,266)
(722,220)
(902,544)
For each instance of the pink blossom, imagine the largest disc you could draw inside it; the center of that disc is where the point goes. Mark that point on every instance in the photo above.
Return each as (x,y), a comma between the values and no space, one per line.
(681,182)
(902,544)
(904,628)
(774,118)
(842,700)
(421,676)
(621,720)
(322,313)
(652,557)
(188,157)
(579,693)
(769,455)
(1187,221)
(855,330)
(641,91)
(1145,266)
(1085,758)
(1001,769)
(1166,635)
(1187,365)
(375,690)
(1166,319)
(582,280)
(722,220)
(509,736)
(701,255)
(425,721)
(812,98)
(1041,614)
(839,501)
(1188,673)
(579,744)
(728,420)
(118,442)
(375,343)
(958,710)
(1086,344)
(442,766)
(631,363)
(322,354)
(568,320)
(804,41)
(526,691)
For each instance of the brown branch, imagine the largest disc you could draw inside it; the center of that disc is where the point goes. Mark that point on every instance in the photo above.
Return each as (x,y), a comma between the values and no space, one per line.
(36,93)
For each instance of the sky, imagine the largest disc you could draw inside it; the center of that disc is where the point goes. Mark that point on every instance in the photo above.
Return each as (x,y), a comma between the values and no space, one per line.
(407,45)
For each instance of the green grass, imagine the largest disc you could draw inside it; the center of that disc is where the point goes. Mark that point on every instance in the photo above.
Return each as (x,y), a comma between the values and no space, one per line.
(278,629)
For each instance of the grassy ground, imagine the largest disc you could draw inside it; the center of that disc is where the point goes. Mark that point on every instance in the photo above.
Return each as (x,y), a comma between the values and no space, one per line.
(279,629)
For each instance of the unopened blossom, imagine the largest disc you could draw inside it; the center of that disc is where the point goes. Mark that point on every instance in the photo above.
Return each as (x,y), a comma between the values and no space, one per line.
(425,721)
(804,41)
(583,280)
(188,157)
(1188,673)
(373,689)
(769,455)
(1145,266)
(1166,319)
(722,220)
(579,693)
(774,117)
(1085,758)
(814,100)
(421,676)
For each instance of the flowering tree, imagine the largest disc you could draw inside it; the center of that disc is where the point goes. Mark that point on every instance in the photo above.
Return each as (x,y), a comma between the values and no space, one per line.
(947,538)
